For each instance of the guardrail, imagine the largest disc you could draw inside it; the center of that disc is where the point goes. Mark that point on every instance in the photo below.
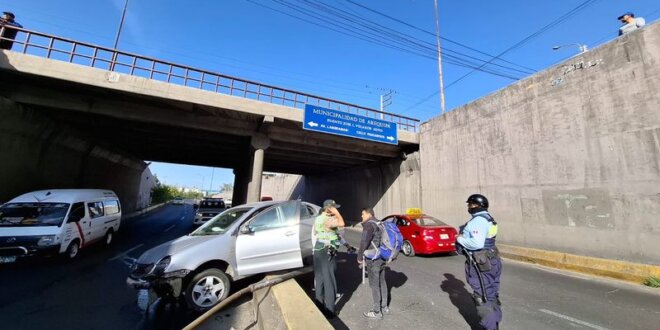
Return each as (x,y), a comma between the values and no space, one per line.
(58,48)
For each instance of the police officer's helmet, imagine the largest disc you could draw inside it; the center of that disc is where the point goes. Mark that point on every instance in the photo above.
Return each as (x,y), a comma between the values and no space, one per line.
(480,200)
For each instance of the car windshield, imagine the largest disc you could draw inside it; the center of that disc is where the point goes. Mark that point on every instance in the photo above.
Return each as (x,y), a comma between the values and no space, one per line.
(219,224)
(33,214)
(427,221)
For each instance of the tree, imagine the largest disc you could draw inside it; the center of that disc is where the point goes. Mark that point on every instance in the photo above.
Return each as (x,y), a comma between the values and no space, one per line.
(226,187)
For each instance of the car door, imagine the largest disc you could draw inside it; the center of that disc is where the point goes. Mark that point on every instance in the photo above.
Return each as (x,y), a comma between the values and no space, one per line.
(307,217)
(96,220)
(270,240)
(401,224)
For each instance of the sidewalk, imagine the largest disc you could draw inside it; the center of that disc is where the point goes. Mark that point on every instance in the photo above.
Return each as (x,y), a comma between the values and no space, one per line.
(141,212)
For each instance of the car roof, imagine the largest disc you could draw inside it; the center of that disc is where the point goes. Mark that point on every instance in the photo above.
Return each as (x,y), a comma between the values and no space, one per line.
(269,203)
(63,195)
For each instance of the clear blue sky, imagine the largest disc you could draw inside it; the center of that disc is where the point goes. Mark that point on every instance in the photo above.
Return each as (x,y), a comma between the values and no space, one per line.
(245,39)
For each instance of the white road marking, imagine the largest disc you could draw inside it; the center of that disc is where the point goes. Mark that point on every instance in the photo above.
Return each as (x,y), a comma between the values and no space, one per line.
(574,320)
(121,255)
(170,227)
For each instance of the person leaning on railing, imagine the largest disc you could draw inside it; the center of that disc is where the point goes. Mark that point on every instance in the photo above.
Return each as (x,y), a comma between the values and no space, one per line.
(8,34)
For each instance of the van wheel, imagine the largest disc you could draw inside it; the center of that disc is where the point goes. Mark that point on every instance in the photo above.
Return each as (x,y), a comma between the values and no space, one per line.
(407,249)
(207,289)
(73,250)
(107,239)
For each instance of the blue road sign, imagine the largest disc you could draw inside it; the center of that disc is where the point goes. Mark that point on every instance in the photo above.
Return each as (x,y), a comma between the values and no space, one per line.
(347,124)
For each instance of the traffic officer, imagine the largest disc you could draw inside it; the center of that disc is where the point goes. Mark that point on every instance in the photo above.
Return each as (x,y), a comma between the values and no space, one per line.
(483,266)
(325,248)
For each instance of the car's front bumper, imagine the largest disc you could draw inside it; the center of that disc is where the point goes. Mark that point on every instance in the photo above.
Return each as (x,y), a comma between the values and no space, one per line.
(162,286)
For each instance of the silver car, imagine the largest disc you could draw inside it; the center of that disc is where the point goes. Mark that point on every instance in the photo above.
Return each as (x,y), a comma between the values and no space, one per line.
(241,241)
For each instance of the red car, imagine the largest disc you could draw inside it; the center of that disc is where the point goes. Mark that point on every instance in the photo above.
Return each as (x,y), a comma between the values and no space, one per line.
(423,234)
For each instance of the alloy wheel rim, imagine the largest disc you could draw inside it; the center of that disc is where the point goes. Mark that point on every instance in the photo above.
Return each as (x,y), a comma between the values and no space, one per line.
(207,291)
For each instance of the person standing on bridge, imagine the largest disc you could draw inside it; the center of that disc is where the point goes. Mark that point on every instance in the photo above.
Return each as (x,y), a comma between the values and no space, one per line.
(483,266)
(630,23)
(8,34)
(325,249)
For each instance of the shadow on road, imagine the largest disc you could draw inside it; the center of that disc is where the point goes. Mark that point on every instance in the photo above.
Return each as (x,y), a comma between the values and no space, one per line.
(393,279)
(462,299)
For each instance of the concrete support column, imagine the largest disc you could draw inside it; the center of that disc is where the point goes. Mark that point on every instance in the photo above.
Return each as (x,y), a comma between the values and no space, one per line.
(260,142)
(241,181)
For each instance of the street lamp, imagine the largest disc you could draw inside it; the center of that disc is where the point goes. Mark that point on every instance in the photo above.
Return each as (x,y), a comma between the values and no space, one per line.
(583,48)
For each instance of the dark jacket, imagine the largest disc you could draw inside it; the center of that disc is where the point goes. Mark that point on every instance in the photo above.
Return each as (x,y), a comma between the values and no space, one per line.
(370,234)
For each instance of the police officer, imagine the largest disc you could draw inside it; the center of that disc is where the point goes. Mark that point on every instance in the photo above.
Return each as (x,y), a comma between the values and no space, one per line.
(483,266)
(325,248)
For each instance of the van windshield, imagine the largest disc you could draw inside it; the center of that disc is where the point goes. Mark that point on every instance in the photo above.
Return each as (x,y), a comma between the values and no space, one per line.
(220,223)
(32,214)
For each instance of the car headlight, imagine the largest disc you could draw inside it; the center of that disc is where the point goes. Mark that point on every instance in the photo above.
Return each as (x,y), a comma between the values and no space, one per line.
(159,269)
(47,240)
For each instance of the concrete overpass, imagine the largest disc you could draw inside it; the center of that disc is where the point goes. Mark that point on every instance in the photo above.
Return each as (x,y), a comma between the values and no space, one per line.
(145,108)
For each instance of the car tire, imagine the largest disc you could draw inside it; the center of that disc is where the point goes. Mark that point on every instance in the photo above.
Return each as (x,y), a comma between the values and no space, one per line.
(207,289)
(72,251)
(109,236)
(408,249)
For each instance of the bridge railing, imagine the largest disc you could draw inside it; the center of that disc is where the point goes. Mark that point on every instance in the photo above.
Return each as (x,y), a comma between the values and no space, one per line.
(58,48)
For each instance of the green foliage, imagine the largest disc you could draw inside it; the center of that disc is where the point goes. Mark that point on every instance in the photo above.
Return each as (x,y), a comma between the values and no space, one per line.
(162,193)
(653,282)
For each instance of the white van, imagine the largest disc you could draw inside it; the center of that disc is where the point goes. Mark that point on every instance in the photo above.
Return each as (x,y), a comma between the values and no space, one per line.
(57,221)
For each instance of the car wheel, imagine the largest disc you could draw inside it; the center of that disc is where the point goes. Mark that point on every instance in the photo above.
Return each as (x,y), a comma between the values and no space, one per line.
(206,289)
(72,250)
(107,239)
(407,249)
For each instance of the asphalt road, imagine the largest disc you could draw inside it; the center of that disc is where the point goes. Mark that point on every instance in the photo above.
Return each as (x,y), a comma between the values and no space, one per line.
(91,292)
(431,293)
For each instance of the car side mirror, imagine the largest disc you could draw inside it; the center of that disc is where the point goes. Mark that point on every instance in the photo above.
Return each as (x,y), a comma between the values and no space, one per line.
(247,230)
(195,206)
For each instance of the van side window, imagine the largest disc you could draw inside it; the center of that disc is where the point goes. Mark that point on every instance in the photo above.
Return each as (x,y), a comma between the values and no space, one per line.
(111,207)
(77,212)
(95,209)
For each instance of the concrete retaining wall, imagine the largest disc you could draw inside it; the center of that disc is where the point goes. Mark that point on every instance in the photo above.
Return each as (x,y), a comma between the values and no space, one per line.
(388,188)
(39,153)
(570,157)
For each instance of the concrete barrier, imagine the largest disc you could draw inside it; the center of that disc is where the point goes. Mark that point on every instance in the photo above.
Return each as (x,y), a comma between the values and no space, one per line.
(627,271)
(286,306)
(141,212)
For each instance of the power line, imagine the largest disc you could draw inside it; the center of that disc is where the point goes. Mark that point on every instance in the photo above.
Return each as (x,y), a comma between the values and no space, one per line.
(552,24)
(432,34)
(356,19)
(369,36)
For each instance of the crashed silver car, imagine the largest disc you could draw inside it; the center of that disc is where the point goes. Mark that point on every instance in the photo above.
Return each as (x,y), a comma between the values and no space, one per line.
(241,241)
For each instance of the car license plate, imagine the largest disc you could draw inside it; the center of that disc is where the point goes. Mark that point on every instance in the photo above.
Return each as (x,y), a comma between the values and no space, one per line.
(7,260)
(444,236)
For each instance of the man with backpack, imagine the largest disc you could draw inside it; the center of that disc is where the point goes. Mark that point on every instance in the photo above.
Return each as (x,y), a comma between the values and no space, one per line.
(369,257)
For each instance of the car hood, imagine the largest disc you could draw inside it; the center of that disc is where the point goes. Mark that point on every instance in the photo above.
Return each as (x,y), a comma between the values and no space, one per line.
(174,248)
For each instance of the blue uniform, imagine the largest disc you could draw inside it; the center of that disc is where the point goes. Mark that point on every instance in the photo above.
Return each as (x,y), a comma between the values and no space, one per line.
(479,234)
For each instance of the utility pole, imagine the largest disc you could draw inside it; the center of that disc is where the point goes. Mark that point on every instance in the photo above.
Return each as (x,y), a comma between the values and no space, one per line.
(437,37)
(385,100)
(212,173)
(121,24)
